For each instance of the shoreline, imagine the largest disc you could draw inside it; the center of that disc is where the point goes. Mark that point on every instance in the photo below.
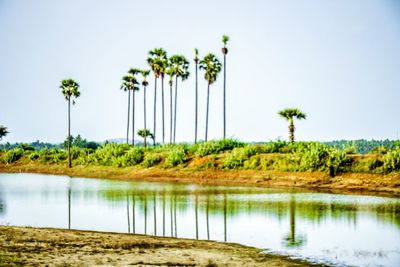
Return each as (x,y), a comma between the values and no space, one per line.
(345,183)
(62,247)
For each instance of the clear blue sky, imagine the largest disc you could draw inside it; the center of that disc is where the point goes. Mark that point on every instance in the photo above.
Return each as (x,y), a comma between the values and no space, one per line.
(338,61)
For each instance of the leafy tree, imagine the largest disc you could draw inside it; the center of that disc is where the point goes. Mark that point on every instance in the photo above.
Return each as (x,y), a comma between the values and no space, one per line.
(225,39)
(170,73)
(180,66)
(135,87)
(144,133)
(144,73)
(158,62)
(289,114)
(3,131)
(196,61)
(70,90)
(212,66)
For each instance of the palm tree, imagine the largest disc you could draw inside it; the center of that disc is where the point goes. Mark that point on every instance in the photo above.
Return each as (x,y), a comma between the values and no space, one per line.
(180,66)
(170,73)
(225,39)
(196,61)
(144,133)
(135,87)
(212,66)
(158,63)
(3,131)
(70,89)
(289,114)
(129,84)
(145,73)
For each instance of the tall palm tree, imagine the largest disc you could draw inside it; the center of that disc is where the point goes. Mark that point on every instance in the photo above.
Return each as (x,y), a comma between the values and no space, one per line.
(196,61)
(70,90)
(212,66)
(145,73)
(170,73)
(289,114)
(126,86)
(180,66)
(134,80)
(158,63)
(225,39)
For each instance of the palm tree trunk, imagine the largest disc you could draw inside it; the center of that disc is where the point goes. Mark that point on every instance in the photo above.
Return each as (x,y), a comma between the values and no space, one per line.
(155,111)
(129,111)
(162,106)
(176,100)
(144,112)
(224,96)
(196,108)
(133,117)
(291,130)
(69,132)
(171,115)
(208,103)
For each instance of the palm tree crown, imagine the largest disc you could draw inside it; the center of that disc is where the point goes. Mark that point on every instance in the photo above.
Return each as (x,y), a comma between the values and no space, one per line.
(290,113)
(180,66)
(129,82)
(225,39)
(158,61)
(211,64)
(145,73)
(70,88)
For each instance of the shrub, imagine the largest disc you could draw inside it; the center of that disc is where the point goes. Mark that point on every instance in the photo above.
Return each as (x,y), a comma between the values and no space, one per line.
(175,157)
(252,163)
(337,159)
(312,158)
(273,147)
(266,163)
(391,161)
(133,157)
(151,159)
(214,147)
(13,155)
(235,159)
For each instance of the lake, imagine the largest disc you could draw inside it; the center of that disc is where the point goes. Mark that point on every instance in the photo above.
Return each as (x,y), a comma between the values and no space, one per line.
(335,229)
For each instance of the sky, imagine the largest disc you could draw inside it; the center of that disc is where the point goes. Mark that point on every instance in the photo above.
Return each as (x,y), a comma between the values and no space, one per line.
(337,61)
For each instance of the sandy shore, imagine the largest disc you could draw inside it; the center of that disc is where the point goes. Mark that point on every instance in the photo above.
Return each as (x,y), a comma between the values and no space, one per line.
(354,183)
(57,247)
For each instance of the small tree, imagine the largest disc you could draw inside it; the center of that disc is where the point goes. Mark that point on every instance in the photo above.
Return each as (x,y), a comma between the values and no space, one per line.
(3,131)
(144,133)
(70,90)
(289,114)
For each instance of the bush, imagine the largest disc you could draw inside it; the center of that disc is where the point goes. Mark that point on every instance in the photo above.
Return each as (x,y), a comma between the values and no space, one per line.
(273,147)
(13,155)
(214,147)
(336,161)
(252,163)
(151,159)
(235,160)
(133,157)
(391,161)
(175,157)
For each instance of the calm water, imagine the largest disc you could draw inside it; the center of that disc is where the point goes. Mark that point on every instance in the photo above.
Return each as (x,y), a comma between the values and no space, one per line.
(329,228)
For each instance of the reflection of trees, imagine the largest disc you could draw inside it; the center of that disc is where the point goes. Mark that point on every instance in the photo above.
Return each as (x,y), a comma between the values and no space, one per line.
(2,203)
(292,240)
(231,204)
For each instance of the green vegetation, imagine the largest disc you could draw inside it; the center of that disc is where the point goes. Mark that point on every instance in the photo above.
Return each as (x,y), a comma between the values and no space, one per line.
(228,154)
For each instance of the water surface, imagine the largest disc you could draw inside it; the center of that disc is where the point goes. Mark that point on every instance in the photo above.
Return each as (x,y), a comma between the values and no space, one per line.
(329,228)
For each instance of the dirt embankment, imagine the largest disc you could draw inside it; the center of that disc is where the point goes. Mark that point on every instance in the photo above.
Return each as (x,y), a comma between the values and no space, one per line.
(342,183)
(55,247)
